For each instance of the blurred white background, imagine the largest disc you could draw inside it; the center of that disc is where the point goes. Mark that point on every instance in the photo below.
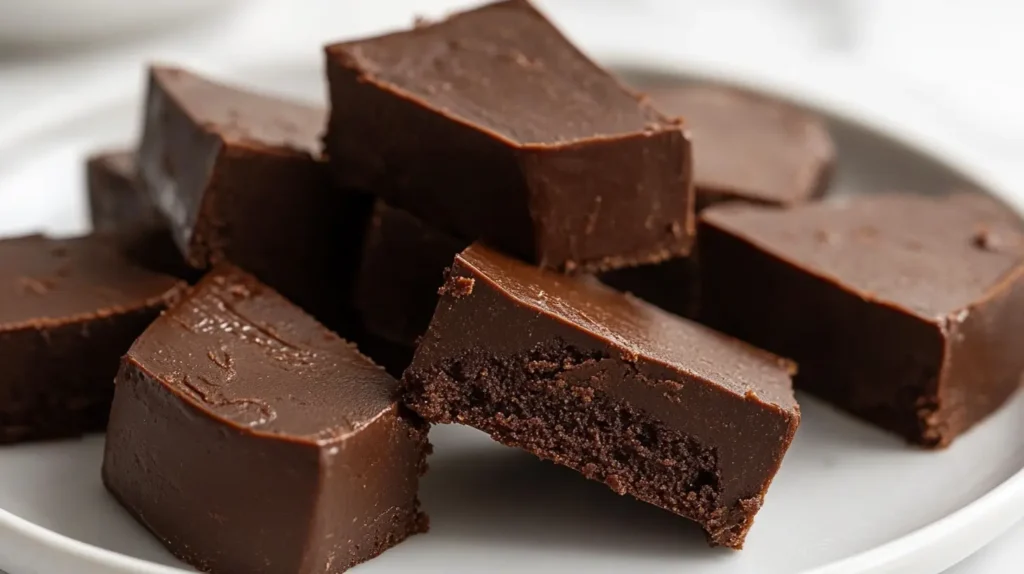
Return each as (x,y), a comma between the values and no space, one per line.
(958,62)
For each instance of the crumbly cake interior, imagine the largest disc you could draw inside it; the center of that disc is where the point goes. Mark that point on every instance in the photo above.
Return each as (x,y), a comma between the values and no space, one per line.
(540,401)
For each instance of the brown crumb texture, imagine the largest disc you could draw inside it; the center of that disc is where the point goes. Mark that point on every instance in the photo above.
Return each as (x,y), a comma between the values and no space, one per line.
(528,401)
(457,287)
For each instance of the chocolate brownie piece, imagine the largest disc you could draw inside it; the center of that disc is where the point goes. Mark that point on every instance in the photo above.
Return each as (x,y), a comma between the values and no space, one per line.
(652,405)
(491,125)
(249,438)
(69,308)
(901,309)
(120,207)
(240,178)
(402,268)
(747,148)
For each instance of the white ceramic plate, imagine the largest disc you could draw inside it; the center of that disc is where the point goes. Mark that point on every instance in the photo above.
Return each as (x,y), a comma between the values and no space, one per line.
(849,499)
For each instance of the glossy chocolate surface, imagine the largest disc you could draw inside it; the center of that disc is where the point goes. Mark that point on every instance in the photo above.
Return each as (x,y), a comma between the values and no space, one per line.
(239,176)
(491,125)
(69,308)
(711,390)
(248,437)
(900,308)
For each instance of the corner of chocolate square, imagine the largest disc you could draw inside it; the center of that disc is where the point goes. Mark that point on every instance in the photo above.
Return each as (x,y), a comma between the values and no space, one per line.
(70,308)
(491,125)
(249,438)
(651,404)
(239,177)
(902,309)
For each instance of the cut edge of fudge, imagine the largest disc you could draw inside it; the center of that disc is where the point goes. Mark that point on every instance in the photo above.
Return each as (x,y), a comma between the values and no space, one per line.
(587,401)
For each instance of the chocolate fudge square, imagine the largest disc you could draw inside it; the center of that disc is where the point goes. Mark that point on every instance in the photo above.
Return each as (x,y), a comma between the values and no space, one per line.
(240,178)
(249,438)
(652,405)
(69,308)
(402,268)
(902,309)
(491,125)
(747,148)
(120,207)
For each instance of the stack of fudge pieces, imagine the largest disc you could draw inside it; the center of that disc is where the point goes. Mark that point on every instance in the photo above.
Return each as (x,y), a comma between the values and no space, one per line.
(532,248)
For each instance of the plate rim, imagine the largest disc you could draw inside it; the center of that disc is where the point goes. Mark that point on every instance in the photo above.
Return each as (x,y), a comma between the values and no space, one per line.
(839,88)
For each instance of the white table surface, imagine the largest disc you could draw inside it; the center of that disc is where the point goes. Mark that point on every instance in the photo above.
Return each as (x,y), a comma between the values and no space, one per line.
(973,86)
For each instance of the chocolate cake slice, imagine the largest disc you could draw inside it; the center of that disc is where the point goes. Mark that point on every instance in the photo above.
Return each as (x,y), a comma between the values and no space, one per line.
(652,405)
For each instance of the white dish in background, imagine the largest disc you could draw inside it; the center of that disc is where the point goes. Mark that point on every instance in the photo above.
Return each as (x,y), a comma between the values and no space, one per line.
(41,22)
(848,500)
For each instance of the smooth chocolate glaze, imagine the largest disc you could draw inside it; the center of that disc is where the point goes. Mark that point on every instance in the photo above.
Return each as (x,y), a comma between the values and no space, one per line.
(902,309)
(651,404)
(490,124)
(69,308)
(249,438)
